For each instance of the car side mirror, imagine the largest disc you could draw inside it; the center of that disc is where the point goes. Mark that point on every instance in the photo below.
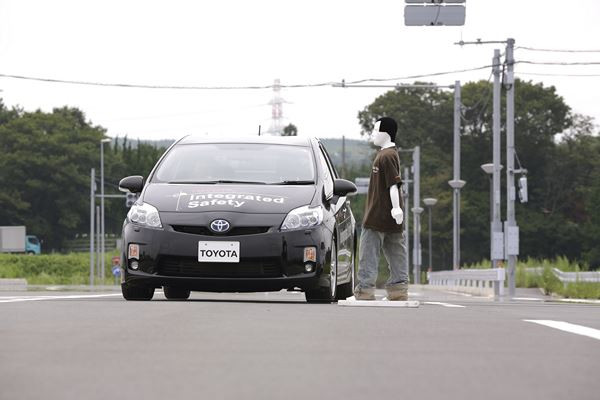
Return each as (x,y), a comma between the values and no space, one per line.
(342,187)
(133,184)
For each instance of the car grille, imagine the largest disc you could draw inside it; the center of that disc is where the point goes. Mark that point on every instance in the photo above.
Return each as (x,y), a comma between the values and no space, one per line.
(236,231)
(190,267)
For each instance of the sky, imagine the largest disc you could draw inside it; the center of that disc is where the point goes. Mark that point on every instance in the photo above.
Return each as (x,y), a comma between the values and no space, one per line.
(251,43)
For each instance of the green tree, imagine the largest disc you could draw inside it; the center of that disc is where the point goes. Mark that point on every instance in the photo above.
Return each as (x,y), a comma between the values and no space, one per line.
(44,171)
(290,130)
(557,172)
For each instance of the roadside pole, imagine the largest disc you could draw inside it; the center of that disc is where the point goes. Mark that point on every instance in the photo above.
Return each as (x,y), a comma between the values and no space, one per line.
(456,183)
(417,210)
(511,230)
(406,197)
(98,243)
(497,235)
(92,189)
(102,248)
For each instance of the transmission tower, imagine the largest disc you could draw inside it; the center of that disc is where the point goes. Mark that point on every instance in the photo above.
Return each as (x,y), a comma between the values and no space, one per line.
(276,104)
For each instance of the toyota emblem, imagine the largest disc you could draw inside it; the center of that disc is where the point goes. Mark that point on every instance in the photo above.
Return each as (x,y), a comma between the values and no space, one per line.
(220,226)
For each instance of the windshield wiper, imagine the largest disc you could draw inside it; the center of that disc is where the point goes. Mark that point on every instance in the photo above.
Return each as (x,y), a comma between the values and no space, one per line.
(214,182)
(192,182)
(293,183)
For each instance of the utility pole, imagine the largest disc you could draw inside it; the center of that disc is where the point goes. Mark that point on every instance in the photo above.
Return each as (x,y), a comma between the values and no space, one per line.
(417,210)
(496,238)
(406,196)
(92,203)
(99,241)
(343,156)
(511,229)
(456,183)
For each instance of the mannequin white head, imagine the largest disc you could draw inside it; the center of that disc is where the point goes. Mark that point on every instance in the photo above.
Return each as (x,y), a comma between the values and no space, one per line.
(380,137)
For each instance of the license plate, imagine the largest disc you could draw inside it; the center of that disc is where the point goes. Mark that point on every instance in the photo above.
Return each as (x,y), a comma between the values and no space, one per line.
(225,252)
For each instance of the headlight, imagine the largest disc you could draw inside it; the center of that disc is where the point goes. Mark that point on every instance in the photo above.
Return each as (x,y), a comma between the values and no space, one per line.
(144,214)
(302,218)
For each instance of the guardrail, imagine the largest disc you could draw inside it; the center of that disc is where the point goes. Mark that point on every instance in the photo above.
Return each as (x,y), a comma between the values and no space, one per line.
(482,282)
(569,277)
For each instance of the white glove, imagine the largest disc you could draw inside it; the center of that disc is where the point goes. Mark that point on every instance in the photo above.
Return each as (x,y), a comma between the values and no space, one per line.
(398,215)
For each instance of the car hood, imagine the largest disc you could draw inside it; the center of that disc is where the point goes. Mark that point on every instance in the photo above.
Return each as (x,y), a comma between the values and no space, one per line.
(263,199)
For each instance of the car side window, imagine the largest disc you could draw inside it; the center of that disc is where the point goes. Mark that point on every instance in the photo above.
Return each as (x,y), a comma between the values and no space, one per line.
(327,177)
(329,163)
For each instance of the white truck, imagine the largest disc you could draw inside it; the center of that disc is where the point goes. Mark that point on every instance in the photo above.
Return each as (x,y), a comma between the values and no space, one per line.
(14,239)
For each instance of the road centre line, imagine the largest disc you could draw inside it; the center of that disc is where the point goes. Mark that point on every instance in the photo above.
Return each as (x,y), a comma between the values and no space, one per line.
(567,327)
(40,298)
(438,303)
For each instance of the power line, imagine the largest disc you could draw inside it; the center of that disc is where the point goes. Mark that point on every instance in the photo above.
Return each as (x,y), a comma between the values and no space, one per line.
(558,75)
(419,76)
(557,50)
(143,86)
(250,87)
(558,62)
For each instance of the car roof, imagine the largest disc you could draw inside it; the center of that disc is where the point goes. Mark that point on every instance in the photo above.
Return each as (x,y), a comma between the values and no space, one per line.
(286,140)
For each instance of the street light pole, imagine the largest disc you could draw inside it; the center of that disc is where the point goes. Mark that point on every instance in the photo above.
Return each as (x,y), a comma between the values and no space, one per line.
(102,228)
(429,203)
(417,210)
(92,204)
(456,183)
(406,201)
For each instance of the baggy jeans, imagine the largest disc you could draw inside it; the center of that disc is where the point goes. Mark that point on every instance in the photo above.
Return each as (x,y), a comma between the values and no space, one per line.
(394,250)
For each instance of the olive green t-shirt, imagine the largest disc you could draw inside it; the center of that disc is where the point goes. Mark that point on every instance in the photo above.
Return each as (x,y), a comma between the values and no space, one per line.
(378,208)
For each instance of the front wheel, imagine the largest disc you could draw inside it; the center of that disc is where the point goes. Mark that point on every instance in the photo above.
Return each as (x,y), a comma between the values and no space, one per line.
(347,289)
(326,294)
(175,293)
(131,292)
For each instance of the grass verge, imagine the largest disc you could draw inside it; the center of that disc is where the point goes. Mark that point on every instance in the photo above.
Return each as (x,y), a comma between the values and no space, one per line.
(53,269)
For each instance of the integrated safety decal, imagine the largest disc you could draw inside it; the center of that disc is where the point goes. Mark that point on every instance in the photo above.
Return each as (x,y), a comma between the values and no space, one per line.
(234,200)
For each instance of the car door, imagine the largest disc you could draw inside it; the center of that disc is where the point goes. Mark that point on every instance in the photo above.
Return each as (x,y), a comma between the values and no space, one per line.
(343,219)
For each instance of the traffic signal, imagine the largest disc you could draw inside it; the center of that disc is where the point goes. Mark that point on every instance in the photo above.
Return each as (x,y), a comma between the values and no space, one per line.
(523,189)
(130,199)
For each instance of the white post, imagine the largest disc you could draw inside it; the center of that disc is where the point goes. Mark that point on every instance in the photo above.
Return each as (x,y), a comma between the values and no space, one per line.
(102,248)
(92,190)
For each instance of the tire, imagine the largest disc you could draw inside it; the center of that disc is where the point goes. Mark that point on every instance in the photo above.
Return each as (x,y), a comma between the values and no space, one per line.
(347,289)
(326,294)
(131,292)
(175,293)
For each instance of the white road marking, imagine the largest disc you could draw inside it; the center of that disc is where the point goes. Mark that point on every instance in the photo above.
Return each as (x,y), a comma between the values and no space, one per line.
(438,303)
(581,301)
(527,299)
(567,327)
(352,302)
(460,294)
(40,298)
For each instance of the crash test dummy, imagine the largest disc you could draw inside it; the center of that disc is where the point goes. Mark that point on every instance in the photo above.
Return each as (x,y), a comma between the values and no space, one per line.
(382,222)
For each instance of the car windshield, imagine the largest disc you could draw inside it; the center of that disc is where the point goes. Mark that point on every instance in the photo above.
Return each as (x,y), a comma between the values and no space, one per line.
(255,163)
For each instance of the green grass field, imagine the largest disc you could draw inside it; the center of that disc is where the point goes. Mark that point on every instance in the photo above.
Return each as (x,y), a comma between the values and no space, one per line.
(53,269)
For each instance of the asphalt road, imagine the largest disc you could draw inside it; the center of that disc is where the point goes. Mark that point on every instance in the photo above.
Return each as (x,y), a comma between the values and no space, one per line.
(275,346)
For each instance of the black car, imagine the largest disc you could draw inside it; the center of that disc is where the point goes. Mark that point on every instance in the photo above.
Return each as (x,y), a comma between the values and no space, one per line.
(240,215)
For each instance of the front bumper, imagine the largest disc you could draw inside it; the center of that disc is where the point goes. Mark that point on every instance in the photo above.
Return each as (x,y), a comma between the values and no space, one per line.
(269,261)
